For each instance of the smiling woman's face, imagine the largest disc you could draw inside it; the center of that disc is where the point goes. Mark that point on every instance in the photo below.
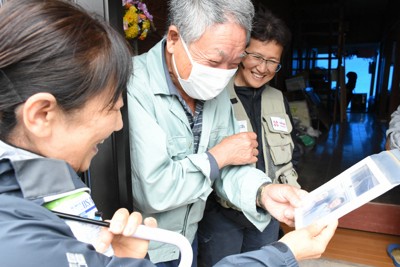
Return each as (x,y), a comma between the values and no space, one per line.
(251,73)
(80,134)
(73,136)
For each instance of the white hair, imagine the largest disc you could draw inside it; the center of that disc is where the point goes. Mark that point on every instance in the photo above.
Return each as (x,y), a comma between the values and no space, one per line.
(193,17)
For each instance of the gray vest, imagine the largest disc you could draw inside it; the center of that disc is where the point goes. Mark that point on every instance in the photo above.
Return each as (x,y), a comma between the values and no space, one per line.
(276,139)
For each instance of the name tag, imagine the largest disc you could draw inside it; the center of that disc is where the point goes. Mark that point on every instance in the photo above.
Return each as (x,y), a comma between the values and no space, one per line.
(279,124)
(242,126)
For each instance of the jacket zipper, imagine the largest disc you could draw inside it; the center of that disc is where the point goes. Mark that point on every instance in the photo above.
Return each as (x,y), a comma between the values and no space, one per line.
(186,219)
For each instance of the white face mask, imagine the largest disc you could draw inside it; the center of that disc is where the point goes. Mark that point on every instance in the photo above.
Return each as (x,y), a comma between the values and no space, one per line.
(203,83)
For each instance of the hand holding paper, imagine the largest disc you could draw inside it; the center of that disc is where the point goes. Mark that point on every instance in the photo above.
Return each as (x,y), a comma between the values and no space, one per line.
(280,201)
(364,181)
(310,242)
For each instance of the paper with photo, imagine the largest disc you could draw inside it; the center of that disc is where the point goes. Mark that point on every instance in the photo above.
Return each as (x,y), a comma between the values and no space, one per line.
(359,184)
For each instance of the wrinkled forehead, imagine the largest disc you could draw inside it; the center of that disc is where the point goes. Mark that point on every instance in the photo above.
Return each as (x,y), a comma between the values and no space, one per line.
(222,40)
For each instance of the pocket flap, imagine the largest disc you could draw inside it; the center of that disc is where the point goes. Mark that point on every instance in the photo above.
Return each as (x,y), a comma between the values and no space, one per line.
(278,123)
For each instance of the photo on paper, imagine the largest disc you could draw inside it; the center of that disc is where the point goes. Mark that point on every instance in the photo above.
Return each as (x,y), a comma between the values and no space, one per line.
(363,180)
(349,190)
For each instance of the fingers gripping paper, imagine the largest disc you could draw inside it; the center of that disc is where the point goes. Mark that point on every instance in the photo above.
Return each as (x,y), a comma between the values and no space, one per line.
(359,184)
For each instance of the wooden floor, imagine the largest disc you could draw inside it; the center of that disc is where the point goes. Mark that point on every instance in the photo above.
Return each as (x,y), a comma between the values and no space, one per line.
(340,147)
(359,247)
(343,145)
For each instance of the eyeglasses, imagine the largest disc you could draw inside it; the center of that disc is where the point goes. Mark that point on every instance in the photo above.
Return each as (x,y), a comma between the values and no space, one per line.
(271,64)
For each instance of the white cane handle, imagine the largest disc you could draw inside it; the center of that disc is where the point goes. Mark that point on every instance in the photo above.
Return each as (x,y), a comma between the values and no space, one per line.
(165,236)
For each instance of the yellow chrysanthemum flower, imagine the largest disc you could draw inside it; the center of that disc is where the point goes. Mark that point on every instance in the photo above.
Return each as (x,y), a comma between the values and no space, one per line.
(131,15)
(136,22)
(132,31)
(146,24)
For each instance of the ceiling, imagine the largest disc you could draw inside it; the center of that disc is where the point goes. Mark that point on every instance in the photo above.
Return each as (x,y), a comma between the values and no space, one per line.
(316,23)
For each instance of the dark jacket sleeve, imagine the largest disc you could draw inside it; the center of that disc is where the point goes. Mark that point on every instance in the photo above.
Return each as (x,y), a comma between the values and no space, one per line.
(32,236)
(275,255)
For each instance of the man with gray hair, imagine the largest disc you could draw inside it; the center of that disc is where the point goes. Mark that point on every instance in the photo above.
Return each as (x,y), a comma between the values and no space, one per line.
(184,138)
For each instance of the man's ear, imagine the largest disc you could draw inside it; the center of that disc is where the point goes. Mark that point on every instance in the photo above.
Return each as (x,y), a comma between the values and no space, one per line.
(172,38)
(39,113)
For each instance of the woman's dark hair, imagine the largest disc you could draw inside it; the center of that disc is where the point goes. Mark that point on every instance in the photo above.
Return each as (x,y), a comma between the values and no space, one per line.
(267,27)
(55,46)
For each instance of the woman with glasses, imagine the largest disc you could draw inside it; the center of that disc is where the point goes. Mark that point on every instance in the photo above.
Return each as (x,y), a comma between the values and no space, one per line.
(262,109)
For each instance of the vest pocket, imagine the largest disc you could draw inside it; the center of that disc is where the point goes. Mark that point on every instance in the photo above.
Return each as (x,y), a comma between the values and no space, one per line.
(281,154)
(279,141)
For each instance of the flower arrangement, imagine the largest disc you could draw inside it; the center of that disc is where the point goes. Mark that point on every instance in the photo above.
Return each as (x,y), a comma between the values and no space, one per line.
(137,19)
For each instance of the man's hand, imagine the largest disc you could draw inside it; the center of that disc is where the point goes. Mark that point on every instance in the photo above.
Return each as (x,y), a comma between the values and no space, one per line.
(280,200)
(310,242)
(122,226)
(237,149)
